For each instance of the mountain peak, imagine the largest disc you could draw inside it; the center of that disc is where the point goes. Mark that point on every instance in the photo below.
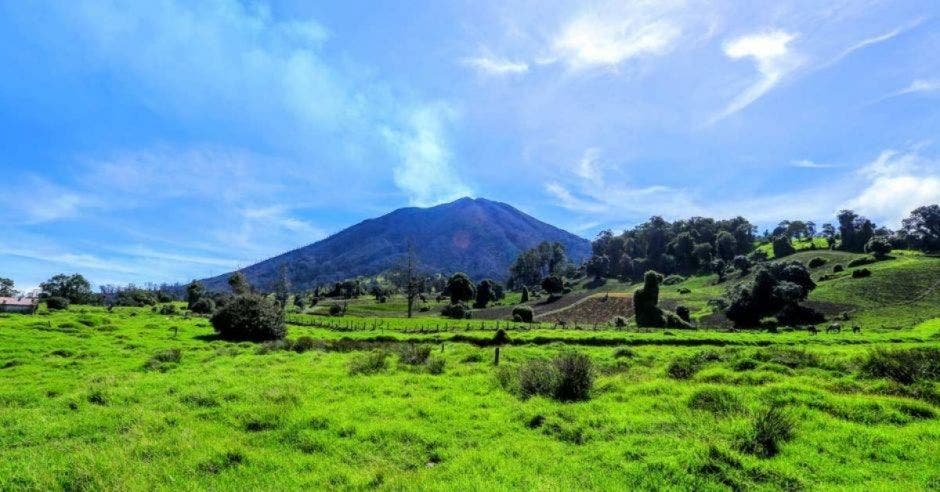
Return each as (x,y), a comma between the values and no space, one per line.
(477,236)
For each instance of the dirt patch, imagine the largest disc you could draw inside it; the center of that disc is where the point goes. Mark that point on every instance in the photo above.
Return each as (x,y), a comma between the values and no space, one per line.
(594,309)
(540,307)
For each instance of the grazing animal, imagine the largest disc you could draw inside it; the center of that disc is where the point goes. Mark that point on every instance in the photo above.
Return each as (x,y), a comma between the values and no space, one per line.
(834,328)
(856,329)
(812,330)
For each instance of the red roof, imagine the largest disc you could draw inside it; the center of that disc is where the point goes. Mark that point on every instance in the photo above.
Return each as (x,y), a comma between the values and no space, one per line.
(18,301)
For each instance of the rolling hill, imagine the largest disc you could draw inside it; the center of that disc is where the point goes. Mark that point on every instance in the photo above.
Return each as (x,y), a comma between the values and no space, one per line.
(477,236)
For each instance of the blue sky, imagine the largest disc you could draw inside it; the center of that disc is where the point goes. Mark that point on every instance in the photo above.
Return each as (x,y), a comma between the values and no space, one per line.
(166,140)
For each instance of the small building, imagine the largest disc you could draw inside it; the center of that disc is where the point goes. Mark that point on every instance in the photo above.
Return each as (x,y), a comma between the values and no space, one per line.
(26,305)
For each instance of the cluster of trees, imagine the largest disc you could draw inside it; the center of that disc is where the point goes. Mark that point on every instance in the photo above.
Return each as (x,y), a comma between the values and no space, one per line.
(7,288)
(776,291)
(460,290)
(685,246)
(534,265)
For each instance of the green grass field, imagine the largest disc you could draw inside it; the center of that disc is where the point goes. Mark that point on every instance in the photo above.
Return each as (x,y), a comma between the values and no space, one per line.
(134,400)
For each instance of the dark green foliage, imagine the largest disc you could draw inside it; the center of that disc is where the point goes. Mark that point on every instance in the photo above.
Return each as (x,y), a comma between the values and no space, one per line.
(7,288)
(72,287)
(855,231)
(837,268)
(537,377)
(204,305)
(168,309)
(816,262)
(239,284)
(861,273)
(620,322)
(683,313)
(57,303)
(683,367)
(336,310)
(741,263)
(413,354)
(645,308)
(553,284)
(436,365)
(878,246)
(304,344)
(372,362)
(777,290)
(525,295)
(673,279)
(164,360)
(525,313)
(548,258)
(922,228)
(194,292)
(460,288)
(718,401)
(598,266)
(486,293)
(782,246)
(905,366)
(457,311)
(770,428)
(250,318)
(500,337)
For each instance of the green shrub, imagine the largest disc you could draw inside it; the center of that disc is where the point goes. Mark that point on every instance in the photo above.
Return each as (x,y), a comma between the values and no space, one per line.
(168,309)
(372,362)
(436,365)
(336,310)
(624,352)
(57,303)
(164,359)
(673,280)
(864,260)
(537,377)
(620,322)
(525,313)
(250,318)
(718,401)
(837,268)
(204,305)
(575,376)
(683,367)
(304,344)
(770,428)
(500,337)
(458,310)
(905,366)
(817,262)
(414,355)
(861,273)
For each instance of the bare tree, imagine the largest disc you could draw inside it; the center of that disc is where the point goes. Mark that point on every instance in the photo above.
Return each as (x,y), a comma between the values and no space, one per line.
(406,276)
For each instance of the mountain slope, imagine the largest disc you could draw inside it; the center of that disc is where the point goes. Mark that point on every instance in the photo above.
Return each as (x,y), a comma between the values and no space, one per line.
(476,236)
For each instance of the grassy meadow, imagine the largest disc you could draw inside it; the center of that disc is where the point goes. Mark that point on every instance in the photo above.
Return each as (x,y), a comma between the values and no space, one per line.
(134,400)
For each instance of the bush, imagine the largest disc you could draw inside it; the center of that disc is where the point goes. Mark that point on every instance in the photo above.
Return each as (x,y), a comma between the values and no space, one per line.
(861,273)
(164,359)
(575,376)
(525,313)
(304,344)
(879,246)
(567,377)
(624,352)
(620,322)
(683,367)
(57,303)
(769,429)
(864,260)
(168,309)
(204,305)
(336,310)
(436,365)
(905,366)
(414,355)
(373,362)
(782,246)
(500,337)
(457,311)
(683,313)
(837,268)
(718,401)
(673,280)
(817,262)
(249,317)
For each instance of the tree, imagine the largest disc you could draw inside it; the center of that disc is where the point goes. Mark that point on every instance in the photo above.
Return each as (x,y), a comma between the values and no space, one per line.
(407,278)
(6,288)
(598,266)
(486,293)
(553,284)
(703,254)
(525,295)
(922,228)
(776,290)
(725,245)
(239,283)
(742,263)
(250,317)
(72,287)
(282,286)
(645,305)
(718,266)
(829,232)
(782,246)
(194,292)
(878,246)
(460,288)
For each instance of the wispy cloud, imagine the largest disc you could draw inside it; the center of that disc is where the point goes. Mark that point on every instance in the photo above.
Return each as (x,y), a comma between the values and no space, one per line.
(426,172)
(773,58)
(808,164)
(595,39)
(36,200)
(872,41)
(496,66)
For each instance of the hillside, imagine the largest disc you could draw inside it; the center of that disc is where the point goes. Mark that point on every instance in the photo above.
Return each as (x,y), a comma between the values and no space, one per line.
(477,236)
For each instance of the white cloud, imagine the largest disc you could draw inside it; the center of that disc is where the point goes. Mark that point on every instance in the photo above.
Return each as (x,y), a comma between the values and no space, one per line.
(773,58)
(38,200)
(872,41)
(897,183)
(496,66)
(425,171)
(918,85)
(608,39)
(809,164)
